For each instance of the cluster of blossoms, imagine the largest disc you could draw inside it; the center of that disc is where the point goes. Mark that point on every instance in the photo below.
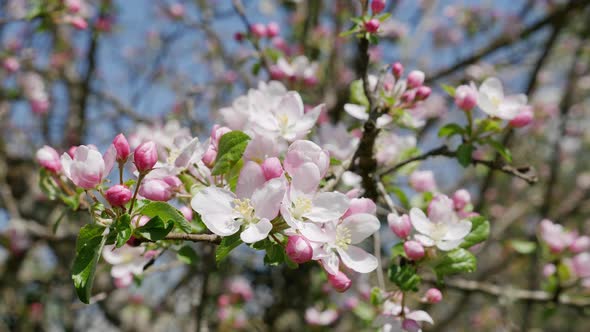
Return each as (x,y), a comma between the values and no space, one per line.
(35,92)
(567,249)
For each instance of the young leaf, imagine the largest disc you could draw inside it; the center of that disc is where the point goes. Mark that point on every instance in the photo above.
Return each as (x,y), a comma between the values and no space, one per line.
(227,244)
(155,229)
(448,89)
(523,247)
(187,255)
(357,93)
(464,153)
(275,255)
(166,212)
(456,261)
(88,248)
(450,129)
(231,148)
(122,230)
(480,230)
(405,277)
(398,250)
(501,149)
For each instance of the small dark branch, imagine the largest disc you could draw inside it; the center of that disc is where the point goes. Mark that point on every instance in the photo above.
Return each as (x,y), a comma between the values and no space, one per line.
(120,106)
(239,8)
(211,238)
(504,40)
(486,288)
(526,173)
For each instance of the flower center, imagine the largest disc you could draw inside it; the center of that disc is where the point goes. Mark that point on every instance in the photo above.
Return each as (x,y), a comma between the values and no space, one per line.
(300,206)
(496,100)
(343,237)
(172,155)
(245,209)
(283,122)
(440,230)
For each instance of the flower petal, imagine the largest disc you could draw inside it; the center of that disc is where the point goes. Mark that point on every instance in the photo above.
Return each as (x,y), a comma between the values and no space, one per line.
(331,263)
(267,200)
(457,230)
(420,316)
(361,226)
(215,207)
(448,245)
(425,240)
(256,232)
(328,207)
(358,259)
(251,178)
(420,222)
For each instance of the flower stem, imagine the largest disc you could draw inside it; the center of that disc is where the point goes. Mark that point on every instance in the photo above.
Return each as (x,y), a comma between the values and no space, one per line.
(139,179)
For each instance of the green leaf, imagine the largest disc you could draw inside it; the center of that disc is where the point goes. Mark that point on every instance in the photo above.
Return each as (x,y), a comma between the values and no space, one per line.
(187,255)
(464,153)
(155,229)
(405,277)
(166,212)
(123,230)
(448,89)
(480,230)
(501,149)
(47,184)
(335,162)
(234,174)
(398,250)
(230,151)
(227,244)
(357,93)
(401,195)
(376,296)
(352,30)
(383,17)
(523,247)
(275,255)
(88,248)
(256,68)
(489,125)
(450,129)
(456,261)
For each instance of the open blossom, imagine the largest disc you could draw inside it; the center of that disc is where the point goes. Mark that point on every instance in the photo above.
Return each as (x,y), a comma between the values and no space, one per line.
(300,68)
(88,167)
(48,158)
(442,228)
(390,318)
(301,152)
(288,120)
(127,262)
(224,213)
(341,238)
(492,101)
(321,318)
(556,237)
(423,181)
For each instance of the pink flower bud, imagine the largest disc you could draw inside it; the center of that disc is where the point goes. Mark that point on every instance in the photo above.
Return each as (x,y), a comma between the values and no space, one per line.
(209,156)
(310,81)
(155,190)
(272,168)
(48,158)
(410,325)
(581,265)
(580,244)
(216,132)
(461,198)
(377,6)
(39,106)
(415,79)
(409,96)
(372,25)
(223,300)
(272,29)
(422,181)
(399,225)
(414,250)
(145,156)
(239,36)
(187,212)
(72,150)
(465,97)
(524,118)
(258,30)
(176,10)
(339,281)
(423,92)
(11,64)
(118,195)
(73,6)
(122,147)
(79,23)
(276,73)
(433,295)
(549,270)
(397,69)
(299,249)
(360,205)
